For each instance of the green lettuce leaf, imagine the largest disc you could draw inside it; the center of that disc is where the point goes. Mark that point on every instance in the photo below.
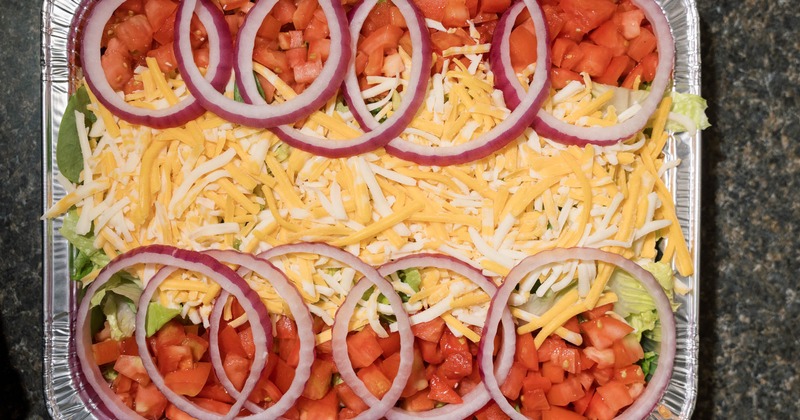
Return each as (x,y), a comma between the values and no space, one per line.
(120,284)
(692,106)
(644,321)
(157,316)
(121,316)
(411,277)
(649,364)
(87,258)
(633,298)
(68,148)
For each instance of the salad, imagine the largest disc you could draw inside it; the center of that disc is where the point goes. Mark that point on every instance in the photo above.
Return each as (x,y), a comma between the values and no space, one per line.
(438,208)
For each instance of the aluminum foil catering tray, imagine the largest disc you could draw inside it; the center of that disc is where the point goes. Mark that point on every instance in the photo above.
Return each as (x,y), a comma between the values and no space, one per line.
(66,397)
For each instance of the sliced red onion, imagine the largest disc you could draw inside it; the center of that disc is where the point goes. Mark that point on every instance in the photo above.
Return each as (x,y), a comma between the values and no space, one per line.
(170,257)
(655,389)
(478,397)
(301,315)
(378,408)
(219,71)
(378,134)
(74,34)
(551,127)
(258,114)
(510,128)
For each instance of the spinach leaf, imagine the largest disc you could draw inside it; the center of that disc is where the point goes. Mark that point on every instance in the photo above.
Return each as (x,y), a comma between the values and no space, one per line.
(68,148)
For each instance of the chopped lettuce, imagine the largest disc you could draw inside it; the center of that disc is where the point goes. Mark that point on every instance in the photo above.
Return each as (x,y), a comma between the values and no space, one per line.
(120,314)
(691,106)
(157,316)
(635,303)
(539,305)
(69,157)
(87,257)
(649,364)
(411,277)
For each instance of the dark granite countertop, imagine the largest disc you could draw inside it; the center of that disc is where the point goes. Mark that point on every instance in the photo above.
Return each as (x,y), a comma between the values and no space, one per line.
(751,208)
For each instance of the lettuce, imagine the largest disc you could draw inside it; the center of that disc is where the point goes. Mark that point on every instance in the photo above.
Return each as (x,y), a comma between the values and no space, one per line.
(635,303)
(121,316)
(411,277)
(69,157)
(157,316)
(87,257)
(689,105)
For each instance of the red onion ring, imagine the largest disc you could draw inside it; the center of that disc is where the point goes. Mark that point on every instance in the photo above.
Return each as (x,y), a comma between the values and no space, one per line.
(166,256)
(654,390)
(260,114)
(219,71)
(502,134)
(278,280)
(380,134)
(478,397)
(551,127)
(378,408)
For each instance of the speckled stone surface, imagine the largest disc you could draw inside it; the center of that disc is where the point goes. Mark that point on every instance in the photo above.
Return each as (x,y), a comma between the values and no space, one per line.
(750,308)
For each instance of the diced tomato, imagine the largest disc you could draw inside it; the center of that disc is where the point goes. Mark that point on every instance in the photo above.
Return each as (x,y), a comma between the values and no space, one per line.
(598,409)
(535,399)
(326,408)
(129,8)
(171,358)
(589,14)
(215,391)
(188,381)
(615,395)
(491,411)
(277,62)
(629,23)
(174,413)
(307,72)
(374,63)
(553,372)
(585,378)
(128,346)
(555,21)
(289,350)
(283,11)
(318,28)
(296,57)
(632,77)
(136,34)
(165,33)
(431,352)
(522,43)
(319,383)
(304,13)
(122,384)
(582,404)
(290,39)
(494,6)
(568,358)
(526,353)
(598,311)
(627,351)
(105,351)
(390,366)
(450,344)
(558,413)
(363,347)
(319,49)
(201,57)
(349,398)
(649,65)
(629,375)
(132,367)
(171,334)
(230,343)
(642,45)
(608,36)
(396,18)
(595,59)
(117,68)
(441,391)
(283,375)
(602,375)
(603,331)
(270,28)
(237,369)
(418,380)
(379,16)
(165,56)
(382,38)
(159,11)
(550,344)
(616,68)
(456,14)
(566,392)
(418,402)
(432,9)
(390,345)
(212,405)
(604,358)
(149,402)
(635,390)
(513,383)
(228,5)
(535,380)
(376,382)
(456,366)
